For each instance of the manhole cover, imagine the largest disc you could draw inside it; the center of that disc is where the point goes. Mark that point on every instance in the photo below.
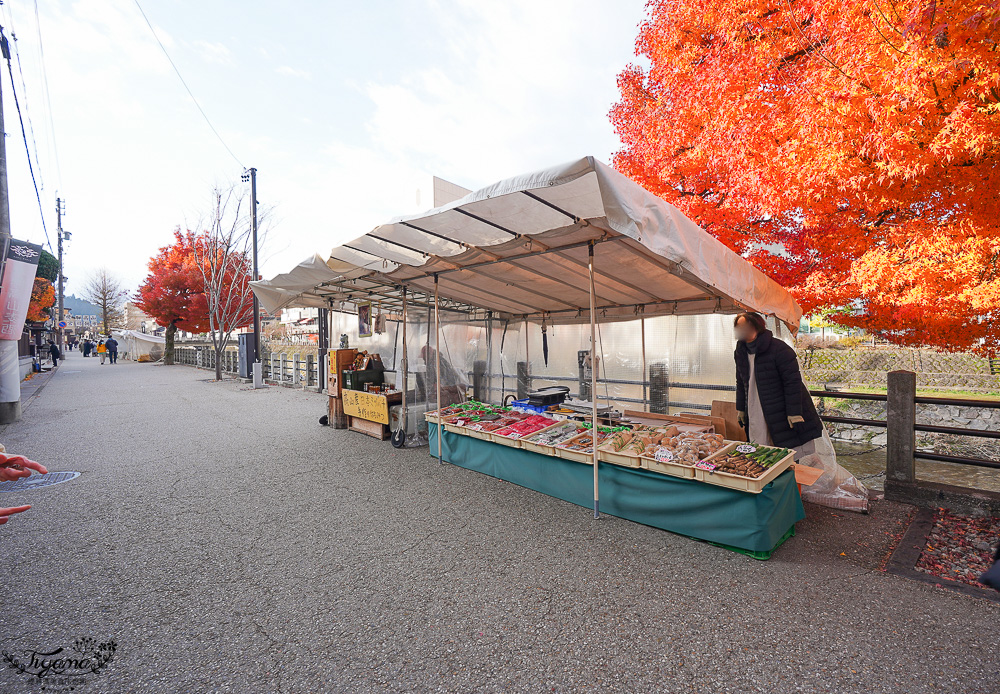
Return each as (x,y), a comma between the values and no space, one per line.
(37,481)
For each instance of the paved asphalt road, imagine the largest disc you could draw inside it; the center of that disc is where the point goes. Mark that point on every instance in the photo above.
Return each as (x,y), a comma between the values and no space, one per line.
(228,543)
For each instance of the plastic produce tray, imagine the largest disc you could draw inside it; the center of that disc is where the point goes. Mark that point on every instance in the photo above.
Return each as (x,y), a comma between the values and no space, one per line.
(754,485)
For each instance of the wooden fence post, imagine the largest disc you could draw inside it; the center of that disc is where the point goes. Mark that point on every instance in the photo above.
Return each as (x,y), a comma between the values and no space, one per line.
(901,416)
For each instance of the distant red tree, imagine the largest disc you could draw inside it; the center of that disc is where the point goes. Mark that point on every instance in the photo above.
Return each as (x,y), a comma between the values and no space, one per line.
(174,292)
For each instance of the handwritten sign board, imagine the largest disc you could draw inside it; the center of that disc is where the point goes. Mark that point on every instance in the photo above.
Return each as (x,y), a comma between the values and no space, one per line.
(374,408)
(664,455)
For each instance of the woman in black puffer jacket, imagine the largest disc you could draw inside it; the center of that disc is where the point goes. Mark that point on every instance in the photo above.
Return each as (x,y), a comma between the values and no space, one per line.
(774,404)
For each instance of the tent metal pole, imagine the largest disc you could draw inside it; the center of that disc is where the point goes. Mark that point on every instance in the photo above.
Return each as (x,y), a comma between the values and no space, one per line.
(437,365)
(593,375)
(642,328)
(527,355)
(404,366)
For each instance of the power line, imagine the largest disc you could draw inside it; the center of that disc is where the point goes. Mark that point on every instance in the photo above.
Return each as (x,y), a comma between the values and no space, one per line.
(190,93)
(48,95)
(6,54)
(24,92)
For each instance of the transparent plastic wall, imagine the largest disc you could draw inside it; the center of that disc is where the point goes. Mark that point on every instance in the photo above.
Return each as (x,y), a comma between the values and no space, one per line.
(688,360)
(420,334)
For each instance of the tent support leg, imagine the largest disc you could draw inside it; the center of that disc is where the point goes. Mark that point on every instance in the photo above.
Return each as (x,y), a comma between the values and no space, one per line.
(593,375)
(437,365)
(645,393)
(402,410)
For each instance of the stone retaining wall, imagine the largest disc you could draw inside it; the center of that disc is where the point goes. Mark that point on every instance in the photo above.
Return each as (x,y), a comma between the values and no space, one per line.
(977,418)
(868,368)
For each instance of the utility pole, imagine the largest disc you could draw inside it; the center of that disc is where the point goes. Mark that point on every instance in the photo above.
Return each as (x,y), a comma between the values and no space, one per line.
(10,375)
(4,200)
(60,210)
(251,174)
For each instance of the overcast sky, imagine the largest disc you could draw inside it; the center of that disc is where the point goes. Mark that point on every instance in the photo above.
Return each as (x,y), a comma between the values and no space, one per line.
(345,109)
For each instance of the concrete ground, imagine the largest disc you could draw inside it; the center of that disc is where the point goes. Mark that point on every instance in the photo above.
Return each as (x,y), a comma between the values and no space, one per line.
(228,543)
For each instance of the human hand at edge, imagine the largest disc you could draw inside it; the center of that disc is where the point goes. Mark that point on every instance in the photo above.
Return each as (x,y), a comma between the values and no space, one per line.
(6,513)
(14,467)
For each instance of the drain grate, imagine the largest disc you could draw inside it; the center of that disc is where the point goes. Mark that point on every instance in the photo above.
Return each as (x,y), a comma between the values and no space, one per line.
(38,481)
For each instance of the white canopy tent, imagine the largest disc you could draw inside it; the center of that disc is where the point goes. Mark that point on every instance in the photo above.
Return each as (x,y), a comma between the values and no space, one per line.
(137,344)
(576,243)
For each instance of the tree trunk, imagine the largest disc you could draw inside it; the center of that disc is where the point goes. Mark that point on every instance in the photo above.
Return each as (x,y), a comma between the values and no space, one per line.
(218,365)
(168,348)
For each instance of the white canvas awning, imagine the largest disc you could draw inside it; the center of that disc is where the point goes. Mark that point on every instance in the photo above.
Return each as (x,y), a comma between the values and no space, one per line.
(519,248)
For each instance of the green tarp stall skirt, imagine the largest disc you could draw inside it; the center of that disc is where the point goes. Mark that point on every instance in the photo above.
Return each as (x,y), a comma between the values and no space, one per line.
(753,523)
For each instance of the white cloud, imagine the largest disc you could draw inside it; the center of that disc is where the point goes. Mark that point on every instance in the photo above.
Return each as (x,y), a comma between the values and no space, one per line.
(289,71)
(342,140)
(214,52)
(528,86)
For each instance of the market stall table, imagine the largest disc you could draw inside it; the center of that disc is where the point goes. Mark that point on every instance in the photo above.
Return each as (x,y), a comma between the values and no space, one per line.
(754,524)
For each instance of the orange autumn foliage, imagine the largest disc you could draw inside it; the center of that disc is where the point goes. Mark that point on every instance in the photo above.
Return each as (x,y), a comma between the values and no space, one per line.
(850,150)
(174,291)
(43,297)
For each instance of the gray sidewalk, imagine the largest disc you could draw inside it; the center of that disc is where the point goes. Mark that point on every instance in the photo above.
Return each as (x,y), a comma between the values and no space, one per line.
(228,543)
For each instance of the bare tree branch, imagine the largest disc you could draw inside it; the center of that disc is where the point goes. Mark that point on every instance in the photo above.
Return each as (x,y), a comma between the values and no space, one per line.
(106,291)
(224,254)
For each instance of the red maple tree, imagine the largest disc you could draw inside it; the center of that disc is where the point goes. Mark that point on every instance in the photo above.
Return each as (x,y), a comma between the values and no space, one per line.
(174,291)
(43,297)
(850,150)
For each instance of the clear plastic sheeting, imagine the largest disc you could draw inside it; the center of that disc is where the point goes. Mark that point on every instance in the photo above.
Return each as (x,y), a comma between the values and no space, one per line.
(836,487)
(668,364)
(421,393)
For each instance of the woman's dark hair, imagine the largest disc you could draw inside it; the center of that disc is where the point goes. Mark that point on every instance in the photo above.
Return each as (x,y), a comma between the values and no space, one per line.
(754,319)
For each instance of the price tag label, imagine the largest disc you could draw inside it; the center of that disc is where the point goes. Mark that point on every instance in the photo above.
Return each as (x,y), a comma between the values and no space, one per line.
(746,448)
(664,455)
(705,465)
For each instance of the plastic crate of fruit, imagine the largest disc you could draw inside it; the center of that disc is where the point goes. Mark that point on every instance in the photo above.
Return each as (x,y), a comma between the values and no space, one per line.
(676,455)
(512,434)
(745,466)
(447,412)
(625,448)
(545,440)
(580,448)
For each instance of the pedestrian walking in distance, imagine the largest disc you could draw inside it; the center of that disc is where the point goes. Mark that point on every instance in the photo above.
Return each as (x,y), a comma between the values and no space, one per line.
(54,353)
(102,351)
(112,345)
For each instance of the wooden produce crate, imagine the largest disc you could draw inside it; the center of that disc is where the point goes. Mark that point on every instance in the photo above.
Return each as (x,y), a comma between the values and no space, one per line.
(754,485)
(364,426)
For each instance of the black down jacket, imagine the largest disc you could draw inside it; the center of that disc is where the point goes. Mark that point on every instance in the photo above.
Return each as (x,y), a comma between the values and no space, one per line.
(780,389)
